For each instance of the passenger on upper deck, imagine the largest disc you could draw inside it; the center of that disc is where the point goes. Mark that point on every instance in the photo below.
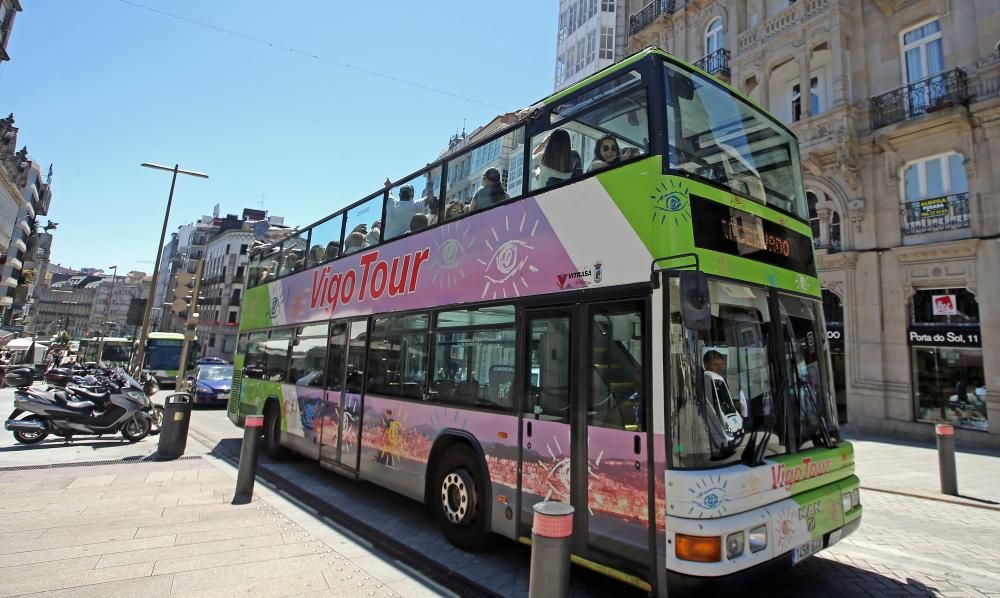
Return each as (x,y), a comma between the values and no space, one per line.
(490,193)
(556,164)
(418,222)
(577,164)
(332,251)
(316,255)
(606,153)
(400,211)
(354,242)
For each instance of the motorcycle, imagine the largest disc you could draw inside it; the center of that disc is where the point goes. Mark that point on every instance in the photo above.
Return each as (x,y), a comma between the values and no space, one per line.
(116,405)
(150,387)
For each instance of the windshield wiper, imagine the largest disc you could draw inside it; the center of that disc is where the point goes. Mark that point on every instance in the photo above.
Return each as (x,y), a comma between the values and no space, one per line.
(824,430)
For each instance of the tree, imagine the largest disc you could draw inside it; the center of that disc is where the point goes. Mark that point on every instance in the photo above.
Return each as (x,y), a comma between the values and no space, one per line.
(63,338)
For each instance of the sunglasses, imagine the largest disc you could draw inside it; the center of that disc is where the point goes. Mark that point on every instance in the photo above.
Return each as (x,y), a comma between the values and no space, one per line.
(608,148)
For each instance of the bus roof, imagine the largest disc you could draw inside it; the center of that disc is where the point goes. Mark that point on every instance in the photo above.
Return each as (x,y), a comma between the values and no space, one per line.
(163,336)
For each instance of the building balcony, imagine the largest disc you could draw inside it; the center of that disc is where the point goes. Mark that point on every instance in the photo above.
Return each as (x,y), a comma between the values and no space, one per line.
(791,17)
(938,92)
(234,301)
(935,214)
(650,14)
(716,63)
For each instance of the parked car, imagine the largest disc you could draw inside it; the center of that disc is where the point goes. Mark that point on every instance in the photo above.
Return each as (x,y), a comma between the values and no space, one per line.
(211,383)
(211,361)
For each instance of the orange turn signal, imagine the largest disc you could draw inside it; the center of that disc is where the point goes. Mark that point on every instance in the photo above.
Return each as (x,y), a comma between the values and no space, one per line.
(699,549)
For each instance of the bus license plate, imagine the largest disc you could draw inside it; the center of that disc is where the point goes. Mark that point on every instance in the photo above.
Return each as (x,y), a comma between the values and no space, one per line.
(808,549)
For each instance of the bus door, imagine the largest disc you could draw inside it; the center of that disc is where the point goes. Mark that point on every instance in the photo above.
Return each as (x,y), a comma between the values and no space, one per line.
(546,441)
(583,438)
(610,431)
(341,433)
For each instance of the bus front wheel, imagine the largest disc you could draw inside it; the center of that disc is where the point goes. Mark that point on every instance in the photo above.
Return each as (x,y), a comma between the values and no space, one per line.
(458,499)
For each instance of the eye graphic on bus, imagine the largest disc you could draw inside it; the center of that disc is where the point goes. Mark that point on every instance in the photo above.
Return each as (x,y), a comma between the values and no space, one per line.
(670,201)
(453,244)
(710,494)
(509,258)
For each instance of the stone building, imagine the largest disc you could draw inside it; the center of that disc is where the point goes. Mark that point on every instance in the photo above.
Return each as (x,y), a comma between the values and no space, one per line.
(222,288)
(900,141)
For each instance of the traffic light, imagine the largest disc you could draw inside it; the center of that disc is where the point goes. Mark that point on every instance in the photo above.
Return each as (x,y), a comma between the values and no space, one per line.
(183,289)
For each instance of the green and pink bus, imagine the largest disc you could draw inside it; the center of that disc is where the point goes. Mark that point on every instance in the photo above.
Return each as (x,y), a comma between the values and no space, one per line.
(609,299)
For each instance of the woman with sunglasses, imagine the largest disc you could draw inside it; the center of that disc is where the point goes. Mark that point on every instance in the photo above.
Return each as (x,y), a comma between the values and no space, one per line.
(606,153)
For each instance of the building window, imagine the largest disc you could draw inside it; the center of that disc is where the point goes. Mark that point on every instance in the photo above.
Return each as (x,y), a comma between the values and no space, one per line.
(243,249)
(607,43)
(591,46)
(581,50)
(714,36)
(813,216)
(934,177)
(923,55)
(608,5)
(947,358)
(814,107)
(835,243)
(232,317)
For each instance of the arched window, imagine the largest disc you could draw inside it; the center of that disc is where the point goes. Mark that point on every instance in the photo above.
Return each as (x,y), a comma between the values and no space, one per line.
(835,232)
(813,217)
(714,36)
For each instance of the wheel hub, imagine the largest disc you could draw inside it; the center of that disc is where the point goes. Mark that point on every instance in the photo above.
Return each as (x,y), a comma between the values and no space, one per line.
(457,490)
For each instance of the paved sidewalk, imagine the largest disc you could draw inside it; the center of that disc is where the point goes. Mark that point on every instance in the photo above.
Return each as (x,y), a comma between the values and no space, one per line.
(912,468)
(152,528)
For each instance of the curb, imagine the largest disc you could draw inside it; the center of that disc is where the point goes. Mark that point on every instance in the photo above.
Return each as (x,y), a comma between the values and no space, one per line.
(935,497)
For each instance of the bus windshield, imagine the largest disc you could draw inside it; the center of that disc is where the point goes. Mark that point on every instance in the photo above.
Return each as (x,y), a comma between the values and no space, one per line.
(164,357)
(716,136)
(727,401)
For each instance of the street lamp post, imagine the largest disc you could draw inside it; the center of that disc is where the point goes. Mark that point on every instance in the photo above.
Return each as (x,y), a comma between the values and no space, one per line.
(107,314)
(141,354)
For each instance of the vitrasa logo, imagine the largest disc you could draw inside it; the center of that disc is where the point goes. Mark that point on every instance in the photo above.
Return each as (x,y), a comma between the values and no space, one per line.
(578,279)
(378,278)
(787,476)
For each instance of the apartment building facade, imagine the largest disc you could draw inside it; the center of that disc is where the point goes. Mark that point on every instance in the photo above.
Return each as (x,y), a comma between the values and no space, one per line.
(590,37)
(900,141)
(224,273)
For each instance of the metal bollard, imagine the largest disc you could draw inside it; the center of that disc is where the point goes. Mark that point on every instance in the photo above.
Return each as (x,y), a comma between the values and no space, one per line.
(551,539)
(252,436)
(946,458)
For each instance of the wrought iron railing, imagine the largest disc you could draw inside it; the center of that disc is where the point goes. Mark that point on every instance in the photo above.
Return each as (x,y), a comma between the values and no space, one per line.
(917,99)
(716,63)
(645,17)
(935,214)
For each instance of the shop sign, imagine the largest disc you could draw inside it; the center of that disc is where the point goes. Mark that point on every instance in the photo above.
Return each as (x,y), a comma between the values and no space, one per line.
(944,337)
(835,333)
(945,305)
(934,208)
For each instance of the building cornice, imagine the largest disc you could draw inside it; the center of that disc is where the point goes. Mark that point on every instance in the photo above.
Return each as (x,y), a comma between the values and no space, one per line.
(937,252)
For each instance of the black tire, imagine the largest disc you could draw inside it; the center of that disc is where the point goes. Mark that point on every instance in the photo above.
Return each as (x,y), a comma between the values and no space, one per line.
(458,499)
(135,429)
(155,420)
(31,437)
(272,434)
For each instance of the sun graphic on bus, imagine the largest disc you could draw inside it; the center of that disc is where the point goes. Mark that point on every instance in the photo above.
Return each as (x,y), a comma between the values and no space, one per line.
(453,243)
(511,251)
(670,200)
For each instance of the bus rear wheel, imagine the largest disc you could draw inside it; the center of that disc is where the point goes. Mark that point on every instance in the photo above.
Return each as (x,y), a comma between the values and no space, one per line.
(457,497)
(272,434)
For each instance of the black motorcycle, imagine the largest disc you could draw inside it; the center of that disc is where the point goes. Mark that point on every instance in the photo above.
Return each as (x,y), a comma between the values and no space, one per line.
(117,405)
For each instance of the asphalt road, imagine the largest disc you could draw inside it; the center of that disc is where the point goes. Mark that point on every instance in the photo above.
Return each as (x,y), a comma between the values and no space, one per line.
(906,546)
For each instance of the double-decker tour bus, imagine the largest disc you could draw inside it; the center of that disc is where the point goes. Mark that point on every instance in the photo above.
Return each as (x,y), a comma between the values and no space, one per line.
(610,300)
(163,355)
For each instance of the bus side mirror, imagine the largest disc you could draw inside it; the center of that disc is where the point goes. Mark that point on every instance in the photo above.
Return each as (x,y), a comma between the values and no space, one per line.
(696,305)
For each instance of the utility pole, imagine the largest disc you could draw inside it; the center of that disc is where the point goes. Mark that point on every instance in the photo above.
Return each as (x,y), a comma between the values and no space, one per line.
(141,355)
(190,324)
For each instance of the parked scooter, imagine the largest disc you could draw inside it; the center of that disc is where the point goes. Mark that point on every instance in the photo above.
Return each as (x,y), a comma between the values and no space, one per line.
(117,405)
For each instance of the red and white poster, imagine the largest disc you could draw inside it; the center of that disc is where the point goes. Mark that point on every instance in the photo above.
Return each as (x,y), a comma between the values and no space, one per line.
(944,305)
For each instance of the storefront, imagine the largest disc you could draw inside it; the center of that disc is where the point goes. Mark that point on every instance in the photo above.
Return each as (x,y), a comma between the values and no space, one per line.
(946,358)
(833,312)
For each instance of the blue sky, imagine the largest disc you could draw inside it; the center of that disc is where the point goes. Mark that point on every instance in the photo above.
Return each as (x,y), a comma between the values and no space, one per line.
(99,87)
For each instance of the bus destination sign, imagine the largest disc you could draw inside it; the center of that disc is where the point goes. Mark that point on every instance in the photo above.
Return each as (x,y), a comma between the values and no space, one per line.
(735,232)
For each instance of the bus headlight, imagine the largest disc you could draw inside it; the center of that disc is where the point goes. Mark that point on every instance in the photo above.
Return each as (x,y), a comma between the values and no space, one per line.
(734,545)
(848,502)
(758,538)
(856,497)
